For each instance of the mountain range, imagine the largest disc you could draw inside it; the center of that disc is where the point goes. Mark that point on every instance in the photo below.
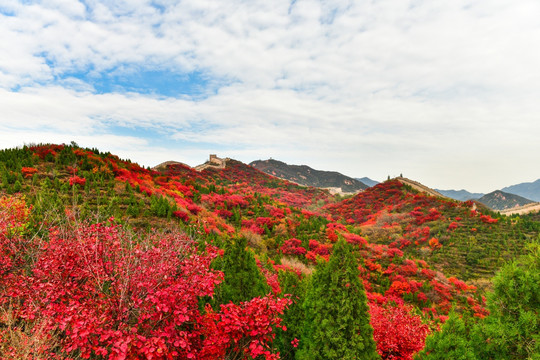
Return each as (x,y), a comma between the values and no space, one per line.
(508,198)
(305,175)
(461,195)
(529,190)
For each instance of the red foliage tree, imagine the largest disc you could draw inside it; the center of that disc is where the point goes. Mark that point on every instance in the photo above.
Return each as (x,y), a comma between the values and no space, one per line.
(118,298)
(397,331)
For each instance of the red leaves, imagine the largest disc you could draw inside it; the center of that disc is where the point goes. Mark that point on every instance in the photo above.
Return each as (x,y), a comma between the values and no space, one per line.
(453,226)
(293,247)
(355,239)
(432,215)
(14,248)
(120,297)
(397,331)
(245,329)
(182,215)
(434,243)
(398,288)
(76,180)
(28,171)
(488,219)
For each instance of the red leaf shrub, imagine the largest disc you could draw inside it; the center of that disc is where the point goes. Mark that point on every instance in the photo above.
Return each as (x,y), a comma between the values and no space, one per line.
(28,171)
(488,219)
(293,247)
(182,215)
(77,180)
(397,331)
(117,297)
(14,215)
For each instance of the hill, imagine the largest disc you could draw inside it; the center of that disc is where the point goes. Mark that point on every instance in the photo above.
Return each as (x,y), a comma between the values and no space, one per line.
(454,237)
(304,175)
(500,200)
(528,190)
(532,209)
(420,187)
(461,195)
(369,182)
(233,197)
(118,249)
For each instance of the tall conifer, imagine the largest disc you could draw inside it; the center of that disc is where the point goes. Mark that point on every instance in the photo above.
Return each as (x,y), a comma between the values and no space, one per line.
(293,317)
(337,319)
(452,342)
(512,329)
(243,279)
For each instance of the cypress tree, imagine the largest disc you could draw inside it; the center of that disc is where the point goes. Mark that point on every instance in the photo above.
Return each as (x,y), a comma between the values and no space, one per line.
(17,187)
(243,280)
(293,317)
(452,342)
(337,319)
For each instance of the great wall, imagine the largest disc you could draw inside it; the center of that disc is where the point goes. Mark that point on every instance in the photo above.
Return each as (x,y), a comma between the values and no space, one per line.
(213,162)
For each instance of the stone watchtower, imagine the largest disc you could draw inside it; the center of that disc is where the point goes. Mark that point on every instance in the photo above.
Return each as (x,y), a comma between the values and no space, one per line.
(213,162)
(215,159)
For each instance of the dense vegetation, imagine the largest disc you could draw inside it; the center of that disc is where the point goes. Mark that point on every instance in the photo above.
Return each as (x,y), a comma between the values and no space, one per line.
(101,258)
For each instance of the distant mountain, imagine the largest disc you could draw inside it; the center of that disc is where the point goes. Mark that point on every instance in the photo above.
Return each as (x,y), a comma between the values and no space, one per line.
(304,175)
(500,200)
(530,190)
(462,195)
(367,181)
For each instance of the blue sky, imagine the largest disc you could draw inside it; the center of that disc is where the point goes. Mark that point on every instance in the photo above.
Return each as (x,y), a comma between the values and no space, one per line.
(445,92)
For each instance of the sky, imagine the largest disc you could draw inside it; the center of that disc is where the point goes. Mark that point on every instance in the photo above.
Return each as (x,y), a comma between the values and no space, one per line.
(444,92)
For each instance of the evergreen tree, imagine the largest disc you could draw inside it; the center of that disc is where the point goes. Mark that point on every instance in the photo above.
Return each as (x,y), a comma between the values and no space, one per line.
(337,319)
(452,342)
(512,330)
(293,317)
(17,187)
(243,279)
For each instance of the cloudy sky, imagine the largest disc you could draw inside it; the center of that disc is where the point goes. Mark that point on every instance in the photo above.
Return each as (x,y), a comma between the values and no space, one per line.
(445,92)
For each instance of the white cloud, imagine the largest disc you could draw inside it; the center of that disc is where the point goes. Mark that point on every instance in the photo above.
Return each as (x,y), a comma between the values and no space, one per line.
(360,87)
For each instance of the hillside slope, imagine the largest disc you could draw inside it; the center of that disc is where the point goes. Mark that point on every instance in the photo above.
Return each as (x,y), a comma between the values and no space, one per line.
(528,190)
(454,237)
(412,249)
(304,175)
(420,187)
(500,200)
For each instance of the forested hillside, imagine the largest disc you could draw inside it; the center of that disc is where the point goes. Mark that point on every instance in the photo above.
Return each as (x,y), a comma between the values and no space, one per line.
(104,259)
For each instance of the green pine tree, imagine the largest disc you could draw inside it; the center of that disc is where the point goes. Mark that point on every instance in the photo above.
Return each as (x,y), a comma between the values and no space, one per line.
(243,279)
(17,187)
(512,330)
(452,342)
(337,319)
(293,317)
